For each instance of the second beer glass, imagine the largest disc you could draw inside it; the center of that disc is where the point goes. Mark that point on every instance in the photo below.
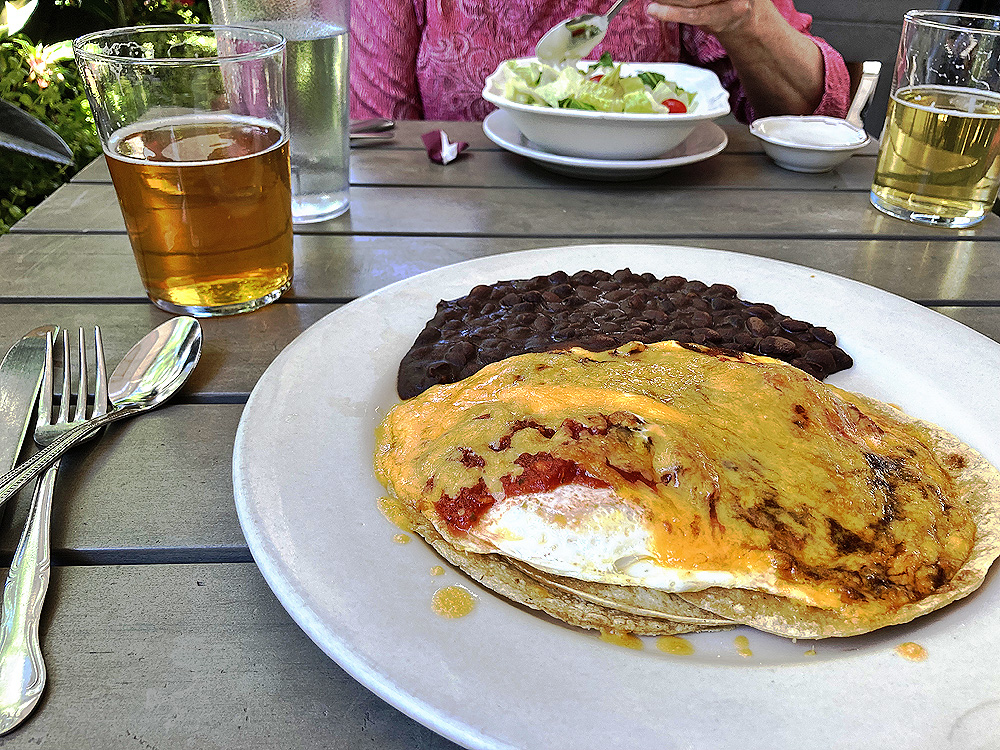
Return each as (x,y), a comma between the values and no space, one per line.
(939,159)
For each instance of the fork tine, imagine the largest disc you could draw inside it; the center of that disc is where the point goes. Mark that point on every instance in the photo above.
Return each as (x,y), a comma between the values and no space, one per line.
(66,385)
(101,402)
(45,397)
(83,387)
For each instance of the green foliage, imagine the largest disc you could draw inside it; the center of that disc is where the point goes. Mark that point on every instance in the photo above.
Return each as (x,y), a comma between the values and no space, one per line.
(39,80)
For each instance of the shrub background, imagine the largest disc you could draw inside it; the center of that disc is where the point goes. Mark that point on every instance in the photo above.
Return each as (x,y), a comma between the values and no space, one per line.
(35,79)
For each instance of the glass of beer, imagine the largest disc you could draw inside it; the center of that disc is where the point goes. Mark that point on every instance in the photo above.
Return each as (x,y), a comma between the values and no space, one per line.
(938,156)
(194,128)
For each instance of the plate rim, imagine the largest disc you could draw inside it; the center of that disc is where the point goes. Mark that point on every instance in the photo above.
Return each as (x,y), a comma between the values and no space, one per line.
(414,707)
(597,165)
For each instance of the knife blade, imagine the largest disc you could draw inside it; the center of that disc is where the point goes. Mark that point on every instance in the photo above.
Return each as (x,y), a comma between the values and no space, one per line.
(20,379)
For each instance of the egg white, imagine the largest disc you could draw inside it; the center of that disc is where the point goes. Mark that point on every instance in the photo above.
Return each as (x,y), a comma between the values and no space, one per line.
(591,535)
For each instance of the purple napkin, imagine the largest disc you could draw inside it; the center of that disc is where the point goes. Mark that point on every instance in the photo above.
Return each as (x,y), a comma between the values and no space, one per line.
(440,149)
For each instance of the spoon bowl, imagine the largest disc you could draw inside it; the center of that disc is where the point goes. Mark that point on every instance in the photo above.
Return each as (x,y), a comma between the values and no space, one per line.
(153,369)
(575,38)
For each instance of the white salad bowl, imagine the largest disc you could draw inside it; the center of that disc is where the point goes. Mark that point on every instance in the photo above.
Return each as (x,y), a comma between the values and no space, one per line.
(813,143)
(613,135)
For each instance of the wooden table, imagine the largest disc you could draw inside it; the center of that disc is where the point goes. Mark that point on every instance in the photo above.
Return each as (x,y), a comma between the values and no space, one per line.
(159,631)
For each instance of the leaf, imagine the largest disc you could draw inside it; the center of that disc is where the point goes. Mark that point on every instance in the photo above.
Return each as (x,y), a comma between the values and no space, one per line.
(604,61)
(651,78)
(571,103)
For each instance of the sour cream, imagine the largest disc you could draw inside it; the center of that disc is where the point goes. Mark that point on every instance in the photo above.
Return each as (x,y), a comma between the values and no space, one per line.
(812,131)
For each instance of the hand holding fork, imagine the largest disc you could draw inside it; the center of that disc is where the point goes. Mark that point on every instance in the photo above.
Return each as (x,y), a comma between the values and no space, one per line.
(22,670)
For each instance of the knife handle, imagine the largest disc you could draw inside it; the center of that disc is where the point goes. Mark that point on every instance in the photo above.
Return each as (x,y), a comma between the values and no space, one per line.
(22,668)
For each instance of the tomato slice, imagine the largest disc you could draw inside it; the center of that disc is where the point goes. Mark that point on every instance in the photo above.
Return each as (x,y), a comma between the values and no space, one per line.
(676,106)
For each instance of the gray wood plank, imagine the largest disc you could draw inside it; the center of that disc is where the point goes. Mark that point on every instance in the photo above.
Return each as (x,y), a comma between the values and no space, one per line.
(236,350)
(335,267)
(622,211)
(501,169)
(195,656)
(151,489)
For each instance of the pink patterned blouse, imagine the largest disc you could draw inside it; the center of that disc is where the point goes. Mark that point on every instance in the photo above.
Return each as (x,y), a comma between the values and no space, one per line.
(428,59)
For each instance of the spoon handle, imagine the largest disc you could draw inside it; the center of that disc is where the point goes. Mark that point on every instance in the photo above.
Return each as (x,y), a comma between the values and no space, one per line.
(20,475)
(869,79)
(613,10)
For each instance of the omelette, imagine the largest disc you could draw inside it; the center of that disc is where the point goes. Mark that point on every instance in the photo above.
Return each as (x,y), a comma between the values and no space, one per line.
(669,487)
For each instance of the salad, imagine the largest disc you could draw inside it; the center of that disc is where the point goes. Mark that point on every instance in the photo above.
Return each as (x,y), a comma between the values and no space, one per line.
(600,87)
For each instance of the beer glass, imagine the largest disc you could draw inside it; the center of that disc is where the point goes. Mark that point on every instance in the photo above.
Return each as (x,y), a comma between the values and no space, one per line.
(315,33)
(938,156)
(194,128)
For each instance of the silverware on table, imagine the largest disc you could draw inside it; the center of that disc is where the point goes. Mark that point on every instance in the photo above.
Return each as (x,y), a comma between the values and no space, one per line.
(376,125)
(370,132)
(20,377)
(22,668)
(149,374)
(22,132)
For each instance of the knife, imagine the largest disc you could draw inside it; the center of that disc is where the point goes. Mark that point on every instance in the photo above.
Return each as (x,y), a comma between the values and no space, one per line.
(19,131)
(20,378)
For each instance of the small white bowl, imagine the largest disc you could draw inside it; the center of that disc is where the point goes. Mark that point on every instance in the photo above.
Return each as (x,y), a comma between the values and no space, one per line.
(809,144)
(614,135)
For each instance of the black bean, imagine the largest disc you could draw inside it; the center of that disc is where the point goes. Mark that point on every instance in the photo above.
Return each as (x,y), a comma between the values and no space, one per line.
(775,346)
(723,291)
(794,326)
(842,358)
(824,335)
(823,358)
(757,327)
(700,319)
(426,336)
(760,311)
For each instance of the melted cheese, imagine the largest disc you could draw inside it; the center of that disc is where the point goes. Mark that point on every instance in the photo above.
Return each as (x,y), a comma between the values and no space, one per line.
(679,468)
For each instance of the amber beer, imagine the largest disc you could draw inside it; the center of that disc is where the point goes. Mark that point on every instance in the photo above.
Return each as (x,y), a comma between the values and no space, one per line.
(207,204)
(939,154)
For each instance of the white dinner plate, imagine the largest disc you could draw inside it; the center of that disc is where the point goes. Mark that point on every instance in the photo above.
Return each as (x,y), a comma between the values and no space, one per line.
(507,677)
(705,141)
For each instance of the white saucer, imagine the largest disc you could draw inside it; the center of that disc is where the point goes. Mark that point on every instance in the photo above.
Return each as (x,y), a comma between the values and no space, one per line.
(705,141)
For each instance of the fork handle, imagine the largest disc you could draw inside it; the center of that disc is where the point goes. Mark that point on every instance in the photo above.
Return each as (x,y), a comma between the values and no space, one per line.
(20,475)
(22,669)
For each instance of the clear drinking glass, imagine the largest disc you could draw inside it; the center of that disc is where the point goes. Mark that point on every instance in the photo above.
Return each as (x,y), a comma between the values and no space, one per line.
(315,32)
(938,158)
(194,128)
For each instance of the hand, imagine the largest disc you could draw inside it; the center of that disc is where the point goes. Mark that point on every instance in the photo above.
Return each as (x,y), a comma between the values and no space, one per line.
(715,16)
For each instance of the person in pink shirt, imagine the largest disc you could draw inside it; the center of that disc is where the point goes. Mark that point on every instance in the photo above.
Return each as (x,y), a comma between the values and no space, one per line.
(428,59)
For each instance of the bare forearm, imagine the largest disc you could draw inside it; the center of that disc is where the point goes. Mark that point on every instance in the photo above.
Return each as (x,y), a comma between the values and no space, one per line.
(780,69)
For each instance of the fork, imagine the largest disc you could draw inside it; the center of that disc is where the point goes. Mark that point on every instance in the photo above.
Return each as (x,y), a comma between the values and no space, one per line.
(22,670)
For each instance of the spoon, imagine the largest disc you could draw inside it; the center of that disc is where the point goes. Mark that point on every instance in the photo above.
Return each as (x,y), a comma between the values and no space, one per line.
(150,373)
(574,38)
(866,87)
